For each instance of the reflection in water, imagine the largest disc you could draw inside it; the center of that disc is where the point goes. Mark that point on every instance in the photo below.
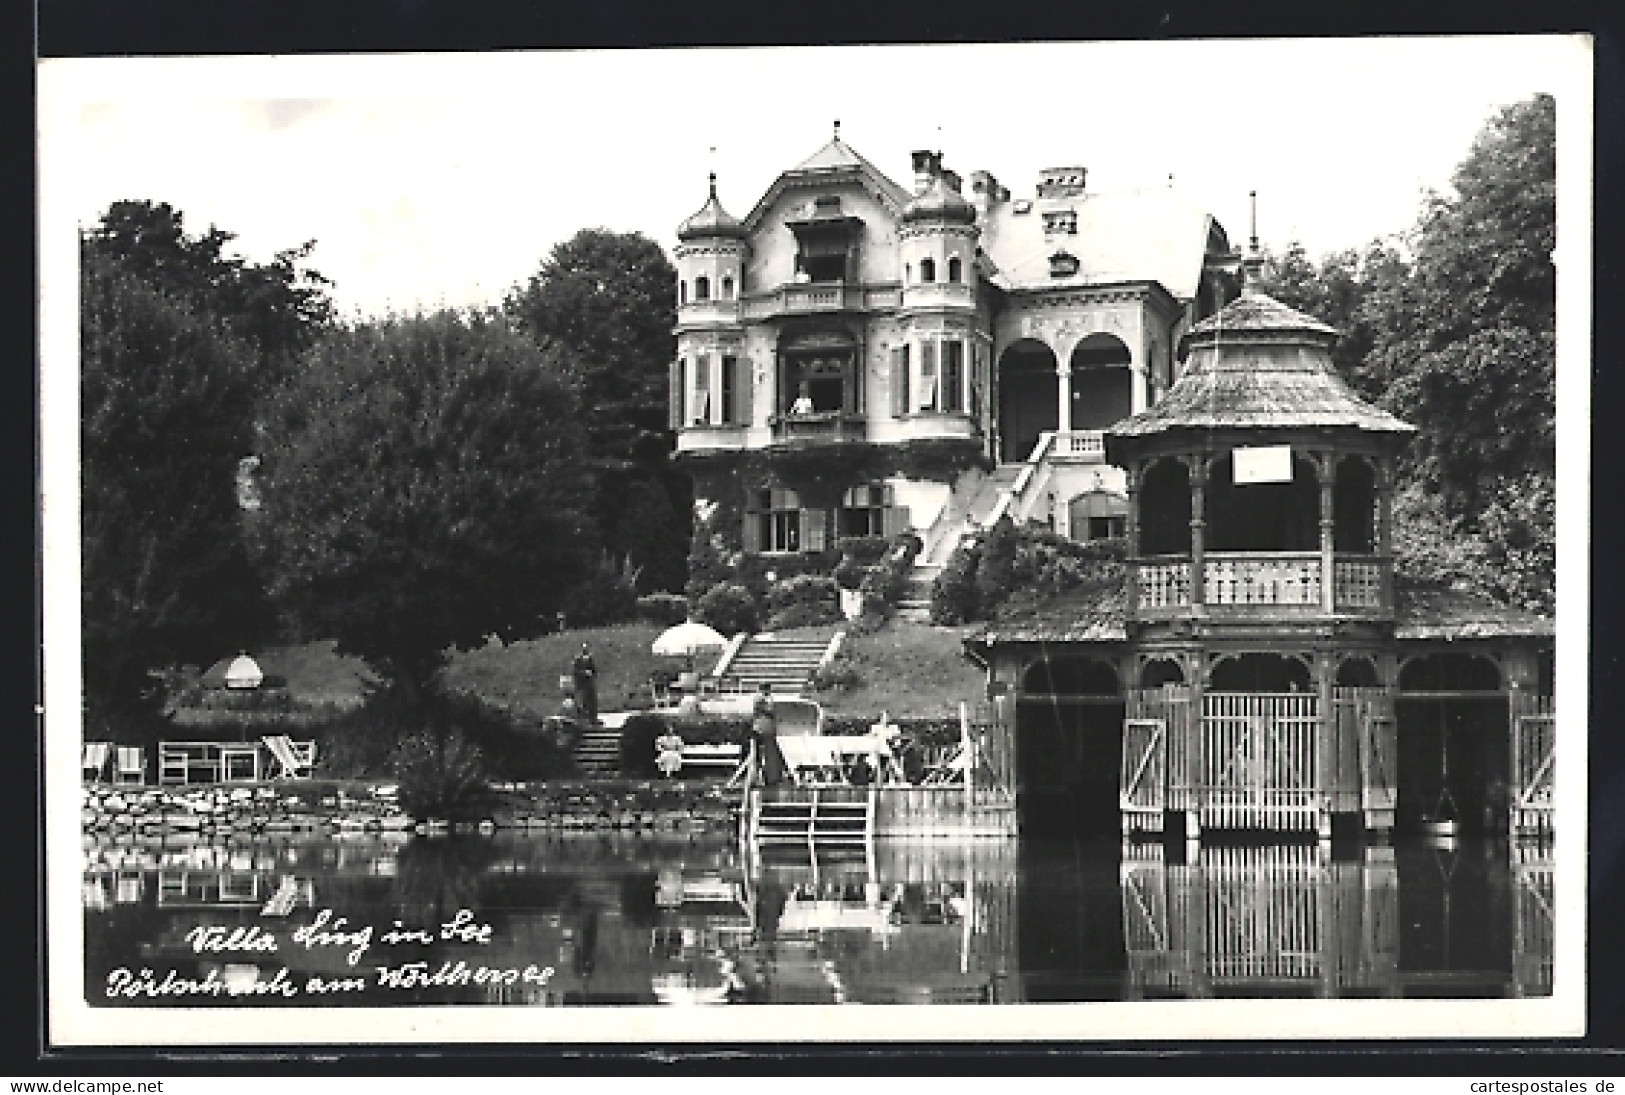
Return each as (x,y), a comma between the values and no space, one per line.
(645,921)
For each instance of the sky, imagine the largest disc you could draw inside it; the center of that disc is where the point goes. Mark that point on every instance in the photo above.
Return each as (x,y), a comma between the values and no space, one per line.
(446,178)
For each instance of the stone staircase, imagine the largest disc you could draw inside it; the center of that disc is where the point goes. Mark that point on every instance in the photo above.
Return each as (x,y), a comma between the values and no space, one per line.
(980,498)
(598,750)
(783,664)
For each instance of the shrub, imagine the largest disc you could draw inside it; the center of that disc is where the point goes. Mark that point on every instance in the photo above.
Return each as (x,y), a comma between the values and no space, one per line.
(804,589)
(665,609)
(953,594)
(849,574)
(804,615)
(440,776)
(839,674)
(638,744)
(863,550)
(605,596)
(728,607)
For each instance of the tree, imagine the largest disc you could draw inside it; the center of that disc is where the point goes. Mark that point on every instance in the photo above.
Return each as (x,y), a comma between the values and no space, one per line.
(166,400)
(601,305)
(424,487)
(1458,338)
(278,308)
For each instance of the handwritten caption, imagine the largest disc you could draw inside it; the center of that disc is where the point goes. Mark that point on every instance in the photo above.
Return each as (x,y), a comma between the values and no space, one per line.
(332,933)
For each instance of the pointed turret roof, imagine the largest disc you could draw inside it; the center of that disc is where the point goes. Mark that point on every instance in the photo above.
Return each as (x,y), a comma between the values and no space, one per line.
(1256,363)
(712,220)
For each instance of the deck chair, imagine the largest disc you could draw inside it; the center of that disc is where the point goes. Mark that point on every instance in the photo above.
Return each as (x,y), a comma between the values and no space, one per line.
(93,762)
(951,770)
(130,765)
(295,760)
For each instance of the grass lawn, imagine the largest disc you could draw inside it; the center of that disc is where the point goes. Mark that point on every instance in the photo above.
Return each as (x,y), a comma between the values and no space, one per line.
(906,669)
(523,677)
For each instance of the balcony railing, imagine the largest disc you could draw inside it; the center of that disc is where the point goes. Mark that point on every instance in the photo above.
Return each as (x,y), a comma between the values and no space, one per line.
(820,426)
(814,298)
(1290,581)
(1079,447)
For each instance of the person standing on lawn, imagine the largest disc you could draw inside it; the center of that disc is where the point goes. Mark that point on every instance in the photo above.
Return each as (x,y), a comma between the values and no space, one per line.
(585,674)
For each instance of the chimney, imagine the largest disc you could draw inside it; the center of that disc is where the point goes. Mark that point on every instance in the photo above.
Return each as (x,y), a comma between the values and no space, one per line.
(926,166)
(951,178)
(1061,182)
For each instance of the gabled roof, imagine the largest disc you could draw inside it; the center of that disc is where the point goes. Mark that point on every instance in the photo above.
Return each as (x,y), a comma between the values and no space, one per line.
(1153,234)
(835,161)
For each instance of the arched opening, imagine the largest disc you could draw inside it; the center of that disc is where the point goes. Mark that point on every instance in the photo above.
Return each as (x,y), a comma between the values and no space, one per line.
(1158,672)
(955,271)
(928,270)
(727,288)
(1097,515)
(1165,509)
(702,288)
(1027,398)
(1454,738)
(1262,516)
(1069,746)
(1273,673)
(1354,494)
(1357,673)
(1102,383)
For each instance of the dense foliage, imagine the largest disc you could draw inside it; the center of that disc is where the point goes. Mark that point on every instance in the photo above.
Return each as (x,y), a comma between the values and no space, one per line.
(602,307)
(1455,332)
(177,340)
(1011,567)
(424,487)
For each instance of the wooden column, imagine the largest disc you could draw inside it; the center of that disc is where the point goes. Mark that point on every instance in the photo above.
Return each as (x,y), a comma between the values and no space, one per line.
(1326,737)
(1131,532)
(1385,531)
(1325,464)
(1198,473)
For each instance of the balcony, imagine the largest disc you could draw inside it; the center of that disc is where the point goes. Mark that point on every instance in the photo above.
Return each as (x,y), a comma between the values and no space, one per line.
(705,313)
(1078,447)
(819,428)
(820,298)
(1265,583)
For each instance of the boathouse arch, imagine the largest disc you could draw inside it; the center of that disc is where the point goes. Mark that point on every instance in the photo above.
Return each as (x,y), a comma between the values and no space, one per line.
(1069,728)
(1357,671)
(1454,727)
(1159,672)
(1071,676)
(1261,673)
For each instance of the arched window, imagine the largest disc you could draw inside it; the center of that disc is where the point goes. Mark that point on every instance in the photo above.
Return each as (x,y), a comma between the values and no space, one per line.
(702,288)
(727,288)
(908,272)
(954,270)
(928,270)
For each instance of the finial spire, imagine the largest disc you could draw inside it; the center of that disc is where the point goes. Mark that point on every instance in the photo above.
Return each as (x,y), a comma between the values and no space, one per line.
(1252,266)
(713,184)
(837,129)
(1252,197)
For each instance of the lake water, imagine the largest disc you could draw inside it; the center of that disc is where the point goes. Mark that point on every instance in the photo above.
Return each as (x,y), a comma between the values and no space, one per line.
(641,920)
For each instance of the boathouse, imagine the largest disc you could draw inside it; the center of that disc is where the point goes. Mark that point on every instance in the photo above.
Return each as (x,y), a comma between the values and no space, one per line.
(1261,667)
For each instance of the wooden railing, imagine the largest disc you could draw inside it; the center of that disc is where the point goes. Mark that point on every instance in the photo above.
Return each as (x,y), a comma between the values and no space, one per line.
(820,426)
(1257,579)
(1362,584)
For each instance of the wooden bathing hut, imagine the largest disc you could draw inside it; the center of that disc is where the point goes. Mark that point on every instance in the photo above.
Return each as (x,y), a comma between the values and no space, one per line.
(1258,667)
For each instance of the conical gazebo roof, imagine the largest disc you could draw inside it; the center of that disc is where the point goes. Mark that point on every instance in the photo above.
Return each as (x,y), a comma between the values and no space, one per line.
(1257,363)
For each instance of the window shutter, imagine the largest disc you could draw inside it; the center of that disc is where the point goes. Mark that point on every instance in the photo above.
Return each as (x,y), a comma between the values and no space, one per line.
(894,519)
(814,523)
(675,394)
(702,390)
(899,381)
(953,375)
(928,376)
(741,370)
(750,538)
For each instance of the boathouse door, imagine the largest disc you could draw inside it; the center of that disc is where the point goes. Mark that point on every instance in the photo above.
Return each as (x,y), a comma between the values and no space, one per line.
(1257,763)
(1455,743)
(1069,728)
(1534,754)
(1155,732)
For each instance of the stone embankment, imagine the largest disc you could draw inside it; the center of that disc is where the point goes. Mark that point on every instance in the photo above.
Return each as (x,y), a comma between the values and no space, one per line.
(219,810)
(222,810)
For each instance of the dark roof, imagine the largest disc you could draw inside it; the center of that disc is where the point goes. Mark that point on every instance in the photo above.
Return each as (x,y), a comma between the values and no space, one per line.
(1439,612)
(1097,614)
(1259,364)
(1259,312)
(711,220)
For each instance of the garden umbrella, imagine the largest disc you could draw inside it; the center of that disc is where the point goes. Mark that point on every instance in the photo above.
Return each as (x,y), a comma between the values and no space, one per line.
(688,639)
